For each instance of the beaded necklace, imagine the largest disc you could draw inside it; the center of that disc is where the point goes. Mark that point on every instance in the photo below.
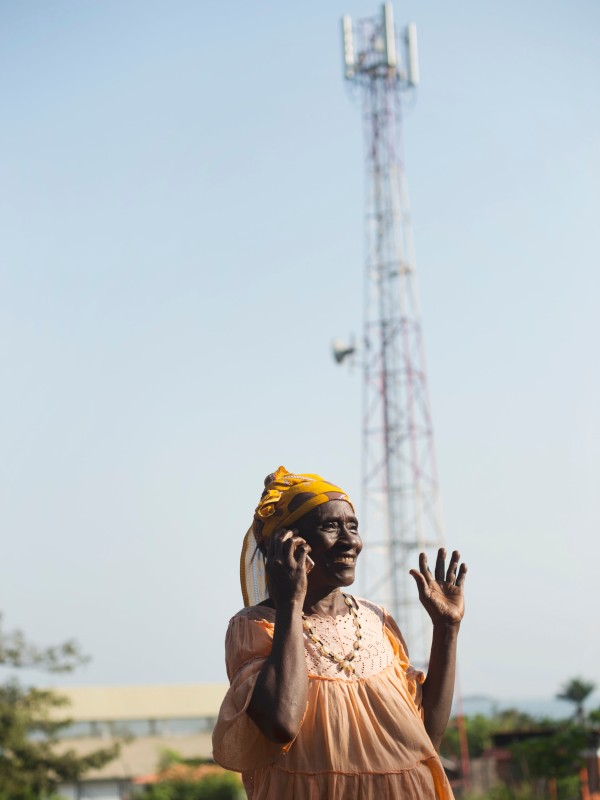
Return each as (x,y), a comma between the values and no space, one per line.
(343,662)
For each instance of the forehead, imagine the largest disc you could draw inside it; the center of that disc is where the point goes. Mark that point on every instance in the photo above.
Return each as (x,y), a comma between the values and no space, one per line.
(334,509)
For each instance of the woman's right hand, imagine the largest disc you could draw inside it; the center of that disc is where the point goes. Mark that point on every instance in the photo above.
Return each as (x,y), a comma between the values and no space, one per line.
(286,567)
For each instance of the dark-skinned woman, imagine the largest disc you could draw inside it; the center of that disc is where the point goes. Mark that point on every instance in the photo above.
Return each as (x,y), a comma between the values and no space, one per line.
(323,702)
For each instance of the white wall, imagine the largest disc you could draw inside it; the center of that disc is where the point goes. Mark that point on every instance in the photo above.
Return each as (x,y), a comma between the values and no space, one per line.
(94,790)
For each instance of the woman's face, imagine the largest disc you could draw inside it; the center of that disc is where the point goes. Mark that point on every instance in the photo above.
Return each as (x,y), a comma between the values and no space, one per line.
(331,530)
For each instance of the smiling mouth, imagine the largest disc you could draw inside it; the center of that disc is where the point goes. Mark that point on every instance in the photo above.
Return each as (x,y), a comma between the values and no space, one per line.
(347,560)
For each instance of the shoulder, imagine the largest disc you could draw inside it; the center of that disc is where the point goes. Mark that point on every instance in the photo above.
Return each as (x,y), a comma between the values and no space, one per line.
(371,609)
(250,624)
(380,611)
(249,636)
(387,621)
(259,613)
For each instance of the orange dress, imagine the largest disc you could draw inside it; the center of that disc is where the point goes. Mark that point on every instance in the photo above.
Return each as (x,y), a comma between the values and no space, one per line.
(362,735)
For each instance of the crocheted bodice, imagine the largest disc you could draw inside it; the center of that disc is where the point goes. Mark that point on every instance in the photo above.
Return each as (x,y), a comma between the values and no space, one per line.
(339,634)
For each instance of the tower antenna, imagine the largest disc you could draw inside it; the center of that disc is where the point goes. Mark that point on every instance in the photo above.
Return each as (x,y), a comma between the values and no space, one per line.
(401,509)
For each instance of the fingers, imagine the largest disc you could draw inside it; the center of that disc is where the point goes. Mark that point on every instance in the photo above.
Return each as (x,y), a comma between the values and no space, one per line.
(276,552)
(453,566)
(286,566)
(301,551)
(420,581)
(462,574)
(441,575)
(424,569)
(278,546)
(440,565)
(287,545)
(299,548)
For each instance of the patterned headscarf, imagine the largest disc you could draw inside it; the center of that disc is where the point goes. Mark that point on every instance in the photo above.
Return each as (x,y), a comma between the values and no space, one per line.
(285,499)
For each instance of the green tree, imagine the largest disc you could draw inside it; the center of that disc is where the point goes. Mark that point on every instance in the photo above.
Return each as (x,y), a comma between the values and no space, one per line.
(555,758)
(225,786)
(576,691)
(511,719)
(594,716)
(182,778)
(503,792)
(479,736)
(480,729)
(31,764)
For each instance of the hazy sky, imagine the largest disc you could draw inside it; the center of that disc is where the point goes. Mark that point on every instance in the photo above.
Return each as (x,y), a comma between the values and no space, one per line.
(181,189)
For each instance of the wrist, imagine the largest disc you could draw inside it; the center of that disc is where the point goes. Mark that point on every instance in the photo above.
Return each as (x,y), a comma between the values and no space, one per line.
(290,609)
(448,627)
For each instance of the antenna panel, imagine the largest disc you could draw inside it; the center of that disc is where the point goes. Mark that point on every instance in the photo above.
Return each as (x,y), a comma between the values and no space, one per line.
(390,35)
(348,43)
(413,54)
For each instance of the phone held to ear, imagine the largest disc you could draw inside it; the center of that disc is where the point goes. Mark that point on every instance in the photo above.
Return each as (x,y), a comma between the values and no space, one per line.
(309,562)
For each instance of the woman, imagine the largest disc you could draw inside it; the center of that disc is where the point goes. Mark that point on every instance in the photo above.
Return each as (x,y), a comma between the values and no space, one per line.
(323,702)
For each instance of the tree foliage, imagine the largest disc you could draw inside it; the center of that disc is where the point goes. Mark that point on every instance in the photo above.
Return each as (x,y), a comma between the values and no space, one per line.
(182,778)
(17,651)
(225,786)
(594,716)
(576,691)
(480,730)
(503,792)
(554,759)
(546,754)
(31,764)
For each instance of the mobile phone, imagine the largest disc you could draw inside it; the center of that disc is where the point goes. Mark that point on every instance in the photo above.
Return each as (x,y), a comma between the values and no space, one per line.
(309,562)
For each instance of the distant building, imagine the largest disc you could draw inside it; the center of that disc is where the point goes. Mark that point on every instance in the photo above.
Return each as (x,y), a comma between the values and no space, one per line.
(497,765)
(157,718)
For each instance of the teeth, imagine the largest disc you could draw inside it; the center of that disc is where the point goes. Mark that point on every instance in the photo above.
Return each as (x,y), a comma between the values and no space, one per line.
(344,560)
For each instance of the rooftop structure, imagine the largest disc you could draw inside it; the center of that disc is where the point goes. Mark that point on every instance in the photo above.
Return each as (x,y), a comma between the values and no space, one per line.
(149,720)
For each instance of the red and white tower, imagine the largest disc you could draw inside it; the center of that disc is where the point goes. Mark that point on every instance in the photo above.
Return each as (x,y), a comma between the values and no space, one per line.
(401,510)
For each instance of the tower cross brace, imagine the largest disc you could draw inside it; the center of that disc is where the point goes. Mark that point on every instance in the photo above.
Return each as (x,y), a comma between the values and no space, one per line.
(401,508)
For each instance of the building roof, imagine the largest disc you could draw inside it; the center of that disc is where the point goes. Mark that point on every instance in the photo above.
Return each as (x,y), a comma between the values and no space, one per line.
(114,703)
(140,756)
(180,772)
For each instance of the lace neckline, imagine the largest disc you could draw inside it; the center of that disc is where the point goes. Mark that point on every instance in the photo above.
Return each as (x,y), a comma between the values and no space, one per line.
(316,614)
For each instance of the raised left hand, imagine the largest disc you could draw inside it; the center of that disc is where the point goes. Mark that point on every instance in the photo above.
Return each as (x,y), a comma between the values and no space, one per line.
(441,596)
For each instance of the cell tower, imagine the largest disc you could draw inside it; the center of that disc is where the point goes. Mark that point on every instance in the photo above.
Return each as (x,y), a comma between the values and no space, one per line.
(401,510)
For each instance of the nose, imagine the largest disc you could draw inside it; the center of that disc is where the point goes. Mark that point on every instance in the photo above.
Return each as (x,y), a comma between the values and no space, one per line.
(350,535)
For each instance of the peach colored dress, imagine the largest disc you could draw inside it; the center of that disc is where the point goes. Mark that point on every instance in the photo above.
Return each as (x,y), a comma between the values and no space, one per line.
(362,736)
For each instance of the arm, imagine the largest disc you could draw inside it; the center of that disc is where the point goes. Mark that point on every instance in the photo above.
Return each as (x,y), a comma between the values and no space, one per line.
(279,698)
(443,600)
(438,688)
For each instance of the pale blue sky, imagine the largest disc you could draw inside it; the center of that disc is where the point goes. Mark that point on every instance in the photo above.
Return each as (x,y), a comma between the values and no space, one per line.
(181,192)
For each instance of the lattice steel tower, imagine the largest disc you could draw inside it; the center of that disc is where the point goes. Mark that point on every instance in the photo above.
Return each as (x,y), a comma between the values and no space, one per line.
(401,511)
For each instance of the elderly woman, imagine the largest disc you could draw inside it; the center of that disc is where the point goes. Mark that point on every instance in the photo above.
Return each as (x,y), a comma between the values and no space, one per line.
(323,702)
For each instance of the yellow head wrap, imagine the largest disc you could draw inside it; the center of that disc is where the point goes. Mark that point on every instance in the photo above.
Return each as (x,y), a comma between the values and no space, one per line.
(285,499)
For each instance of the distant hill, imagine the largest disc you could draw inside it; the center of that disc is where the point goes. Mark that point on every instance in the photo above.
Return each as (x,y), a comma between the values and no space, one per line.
(537,707)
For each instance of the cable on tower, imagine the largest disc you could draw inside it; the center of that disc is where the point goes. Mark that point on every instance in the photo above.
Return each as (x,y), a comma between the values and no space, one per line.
(401,509)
